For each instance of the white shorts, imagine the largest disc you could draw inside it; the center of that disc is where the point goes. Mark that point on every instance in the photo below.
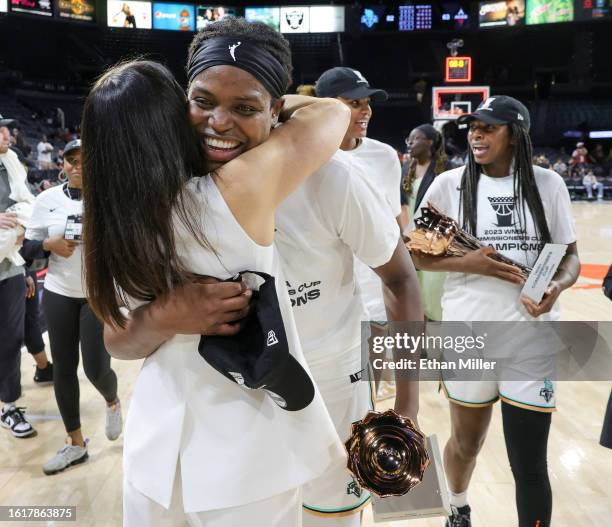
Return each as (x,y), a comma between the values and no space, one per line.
(282,510)
(522,381)
(336,495)
(531,395)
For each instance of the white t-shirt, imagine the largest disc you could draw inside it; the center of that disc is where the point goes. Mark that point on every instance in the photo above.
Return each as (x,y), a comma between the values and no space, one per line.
(49,217)
(331,218)
(472,297)
(382,168)
(43,155)
(234,445)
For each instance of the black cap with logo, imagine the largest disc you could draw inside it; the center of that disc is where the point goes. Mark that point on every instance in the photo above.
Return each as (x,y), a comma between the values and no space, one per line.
(347,83)
(71,146)
(499,109)
(258,357)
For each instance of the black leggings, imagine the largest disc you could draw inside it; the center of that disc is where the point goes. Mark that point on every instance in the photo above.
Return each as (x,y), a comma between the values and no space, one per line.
(32,331)
(70,320)
(526,434)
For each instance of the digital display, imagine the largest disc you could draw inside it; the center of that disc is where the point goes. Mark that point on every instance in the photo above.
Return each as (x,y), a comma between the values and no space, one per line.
(3,6)
(174,17)
(455,16)
(32,7)
(500,14)
(549,11)
(134,15)
(326,19)
(84,10)
(593,9)
(417,17)
(268,15)
(208,14)
(295,19)
(373,18)
(458,69)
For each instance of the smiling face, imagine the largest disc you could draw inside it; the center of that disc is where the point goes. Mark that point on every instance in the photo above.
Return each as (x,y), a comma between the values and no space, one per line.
(72,168)
(231,112)
(361,113)
(490,144)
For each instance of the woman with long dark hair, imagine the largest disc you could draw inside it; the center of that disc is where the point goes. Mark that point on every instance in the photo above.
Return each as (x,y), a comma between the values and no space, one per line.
(427,160)
(514,208)
(198,447)
(56,221)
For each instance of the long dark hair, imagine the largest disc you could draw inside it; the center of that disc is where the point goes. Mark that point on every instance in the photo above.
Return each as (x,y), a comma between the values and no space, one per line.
(438,157)
(525,188)
(139,150)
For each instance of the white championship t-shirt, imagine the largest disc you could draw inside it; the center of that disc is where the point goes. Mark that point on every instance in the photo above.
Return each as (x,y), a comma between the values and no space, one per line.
(234,445)
(49,217)
(472,297)
(382,169)
(334,216)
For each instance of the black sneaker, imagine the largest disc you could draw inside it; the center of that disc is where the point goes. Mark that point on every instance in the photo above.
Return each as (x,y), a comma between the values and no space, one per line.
(12,418)
(44,375)
(460,517)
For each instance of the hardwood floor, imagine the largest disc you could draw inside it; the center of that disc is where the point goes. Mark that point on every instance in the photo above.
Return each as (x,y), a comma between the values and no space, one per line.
(580,469)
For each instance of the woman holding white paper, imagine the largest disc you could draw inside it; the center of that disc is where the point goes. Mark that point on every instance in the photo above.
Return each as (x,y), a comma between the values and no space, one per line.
(514,208)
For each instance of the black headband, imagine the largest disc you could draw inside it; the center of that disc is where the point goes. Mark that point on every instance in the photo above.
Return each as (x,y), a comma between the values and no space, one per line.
(242,54)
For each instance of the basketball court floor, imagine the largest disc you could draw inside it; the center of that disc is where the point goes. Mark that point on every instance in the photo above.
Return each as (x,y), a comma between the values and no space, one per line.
(580,469)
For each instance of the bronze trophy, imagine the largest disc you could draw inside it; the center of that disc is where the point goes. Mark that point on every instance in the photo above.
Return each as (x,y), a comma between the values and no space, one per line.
(439,235)
(387,453)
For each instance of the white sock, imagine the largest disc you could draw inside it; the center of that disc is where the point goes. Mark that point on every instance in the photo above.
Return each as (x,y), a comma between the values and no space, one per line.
(458,500)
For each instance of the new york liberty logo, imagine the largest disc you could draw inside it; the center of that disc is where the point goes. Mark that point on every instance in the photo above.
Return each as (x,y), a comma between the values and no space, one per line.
(548,391)
(354,488)
(504,208)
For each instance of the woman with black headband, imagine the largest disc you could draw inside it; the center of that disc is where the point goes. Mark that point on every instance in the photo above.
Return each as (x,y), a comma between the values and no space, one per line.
(56,220)
(200,448)
(427,160)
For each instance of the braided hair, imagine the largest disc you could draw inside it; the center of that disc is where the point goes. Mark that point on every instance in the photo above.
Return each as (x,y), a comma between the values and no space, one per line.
(438,157)
(525,188)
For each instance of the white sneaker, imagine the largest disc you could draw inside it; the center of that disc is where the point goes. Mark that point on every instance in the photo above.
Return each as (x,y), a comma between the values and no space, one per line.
(114,421)
(66,457)
(13,418)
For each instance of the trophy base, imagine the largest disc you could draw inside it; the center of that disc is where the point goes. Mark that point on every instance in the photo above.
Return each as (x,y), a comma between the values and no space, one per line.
(428,499)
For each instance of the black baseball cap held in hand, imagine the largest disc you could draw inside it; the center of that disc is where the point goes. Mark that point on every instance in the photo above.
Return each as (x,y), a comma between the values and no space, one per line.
(258,357)
(347,83)
(499,109)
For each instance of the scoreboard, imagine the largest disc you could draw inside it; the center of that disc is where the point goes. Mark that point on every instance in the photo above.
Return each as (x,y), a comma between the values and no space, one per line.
(458,69)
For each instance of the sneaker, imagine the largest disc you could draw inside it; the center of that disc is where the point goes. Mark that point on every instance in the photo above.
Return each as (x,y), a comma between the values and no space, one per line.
(12,418)
(44,375)
(460,517)
(114,421)
(66,457)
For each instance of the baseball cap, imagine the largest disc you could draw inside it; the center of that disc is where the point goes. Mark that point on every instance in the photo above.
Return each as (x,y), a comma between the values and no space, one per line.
(258,357)
(75,144)
(347,83)
(6,122)
(499,109)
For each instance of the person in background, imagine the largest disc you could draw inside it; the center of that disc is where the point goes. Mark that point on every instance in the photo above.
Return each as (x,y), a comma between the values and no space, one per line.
(57,222)
(428,160)
(591,183)
(45,150)
(13,192)
(560,168)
